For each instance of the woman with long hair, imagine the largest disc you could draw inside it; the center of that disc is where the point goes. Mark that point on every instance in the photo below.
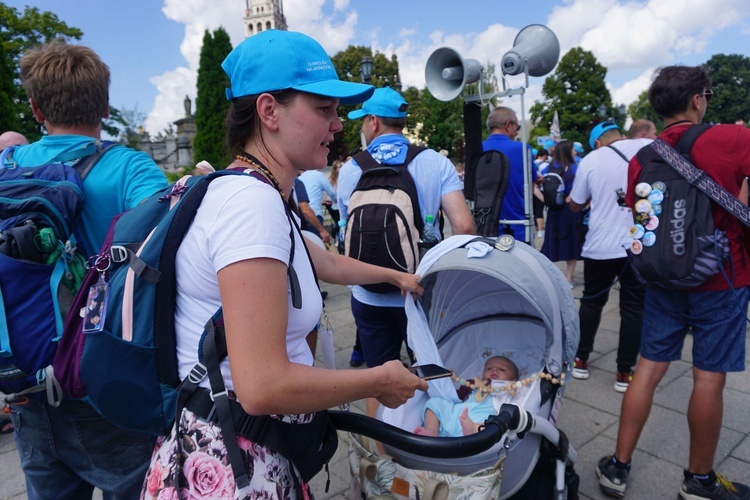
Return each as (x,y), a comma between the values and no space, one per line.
(561,241)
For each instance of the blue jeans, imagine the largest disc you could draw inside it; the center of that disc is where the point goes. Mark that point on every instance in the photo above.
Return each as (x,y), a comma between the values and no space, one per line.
(716,320)
(68,451)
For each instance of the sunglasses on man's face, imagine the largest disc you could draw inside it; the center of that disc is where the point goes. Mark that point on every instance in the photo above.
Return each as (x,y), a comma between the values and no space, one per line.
(708,94)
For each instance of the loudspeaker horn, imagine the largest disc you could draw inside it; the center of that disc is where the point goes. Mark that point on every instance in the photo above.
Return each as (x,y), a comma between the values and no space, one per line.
(536,47)
(447,73)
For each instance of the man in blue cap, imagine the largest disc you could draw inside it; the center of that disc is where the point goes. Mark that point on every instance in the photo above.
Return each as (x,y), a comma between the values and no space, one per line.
(601,175)
(380,317)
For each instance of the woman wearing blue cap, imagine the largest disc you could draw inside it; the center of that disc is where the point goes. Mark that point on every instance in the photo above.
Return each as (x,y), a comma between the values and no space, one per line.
(284,93)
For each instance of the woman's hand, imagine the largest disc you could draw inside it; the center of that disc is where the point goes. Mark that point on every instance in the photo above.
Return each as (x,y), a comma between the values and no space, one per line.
(408,283)
(399,384)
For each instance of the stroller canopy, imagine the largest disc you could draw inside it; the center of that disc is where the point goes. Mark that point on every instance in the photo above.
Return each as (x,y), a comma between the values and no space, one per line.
(469,282)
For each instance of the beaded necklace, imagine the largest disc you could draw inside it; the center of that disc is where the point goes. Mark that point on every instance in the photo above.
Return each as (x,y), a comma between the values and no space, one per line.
(484,388)
(253,161)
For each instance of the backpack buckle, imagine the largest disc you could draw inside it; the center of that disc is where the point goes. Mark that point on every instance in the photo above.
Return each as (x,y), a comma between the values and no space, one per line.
(119,253)
(197,373)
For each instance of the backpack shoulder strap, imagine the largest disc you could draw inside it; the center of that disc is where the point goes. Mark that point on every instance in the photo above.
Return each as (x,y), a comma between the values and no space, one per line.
(619,153)
(84,166)
(365,160)
(698,177)
(686,141)
(412,151)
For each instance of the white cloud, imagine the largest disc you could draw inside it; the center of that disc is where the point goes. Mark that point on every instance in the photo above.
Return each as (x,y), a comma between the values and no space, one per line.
(628,37)
(629,91)
(334,31)
(634,35)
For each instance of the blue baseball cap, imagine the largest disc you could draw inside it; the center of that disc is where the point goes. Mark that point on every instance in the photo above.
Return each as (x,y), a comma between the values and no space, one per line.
(549,143)
(385,102)
(597,132)
(279,60)
(578,147)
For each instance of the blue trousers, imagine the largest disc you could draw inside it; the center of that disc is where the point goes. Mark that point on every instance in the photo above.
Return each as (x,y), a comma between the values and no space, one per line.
(68,451)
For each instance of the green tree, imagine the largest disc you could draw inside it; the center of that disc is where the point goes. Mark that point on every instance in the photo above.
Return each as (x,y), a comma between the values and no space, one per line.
(641,109)
(211,104)
(384,73)
(442,123)
(19,32)
(730,75)
(575,90)
(126,126)
(9,119)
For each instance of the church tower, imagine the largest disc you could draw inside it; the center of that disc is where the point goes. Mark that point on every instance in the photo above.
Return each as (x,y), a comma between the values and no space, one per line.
(262,15)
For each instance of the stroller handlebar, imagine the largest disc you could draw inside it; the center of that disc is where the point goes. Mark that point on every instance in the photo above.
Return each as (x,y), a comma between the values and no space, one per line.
(510,417)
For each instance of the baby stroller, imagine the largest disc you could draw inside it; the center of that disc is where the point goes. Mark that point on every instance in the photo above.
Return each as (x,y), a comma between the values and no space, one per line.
(482,298)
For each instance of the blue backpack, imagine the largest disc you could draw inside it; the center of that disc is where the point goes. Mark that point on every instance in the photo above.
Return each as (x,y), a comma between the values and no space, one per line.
(119,353)
(40,266)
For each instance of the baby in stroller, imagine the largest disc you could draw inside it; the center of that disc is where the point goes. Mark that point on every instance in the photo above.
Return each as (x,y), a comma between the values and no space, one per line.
(445,418)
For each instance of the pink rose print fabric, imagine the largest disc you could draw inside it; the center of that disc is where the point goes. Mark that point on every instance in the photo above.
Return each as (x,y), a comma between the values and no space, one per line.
(192,464)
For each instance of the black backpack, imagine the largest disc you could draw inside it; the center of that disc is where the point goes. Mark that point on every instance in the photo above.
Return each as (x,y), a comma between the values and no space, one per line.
(676,245)
(385,222)
(491,175)
(553,187)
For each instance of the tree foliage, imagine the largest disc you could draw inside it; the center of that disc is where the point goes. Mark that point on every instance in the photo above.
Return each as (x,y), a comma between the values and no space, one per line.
(18,33)
(730,75)
(211,104)
(384,73)
(9,117)
(575,90)
(126,126)
(641,109)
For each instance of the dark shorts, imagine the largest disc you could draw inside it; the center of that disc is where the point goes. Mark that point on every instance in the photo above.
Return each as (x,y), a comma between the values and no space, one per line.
(717,321)
(382,331)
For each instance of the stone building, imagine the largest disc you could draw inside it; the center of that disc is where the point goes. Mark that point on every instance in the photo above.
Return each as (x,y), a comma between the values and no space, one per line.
(176,151)
(262,15)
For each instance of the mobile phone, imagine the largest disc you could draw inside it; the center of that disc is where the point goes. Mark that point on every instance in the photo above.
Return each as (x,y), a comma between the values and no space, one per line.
(430,371)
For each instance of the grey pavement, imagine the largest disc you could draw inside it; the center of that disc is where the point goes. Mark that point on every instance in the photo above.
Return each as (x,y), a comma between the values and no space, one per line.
(589,416)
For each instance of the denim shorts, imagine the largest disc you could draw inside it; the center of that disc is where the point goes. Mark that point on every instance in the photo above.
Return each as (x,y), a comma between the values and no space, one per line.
(717,321)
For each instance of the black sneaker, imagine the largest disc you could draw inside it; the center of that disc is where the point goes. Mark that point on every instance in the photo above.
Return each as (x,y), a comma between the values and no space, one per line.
(722,489)
(612,480)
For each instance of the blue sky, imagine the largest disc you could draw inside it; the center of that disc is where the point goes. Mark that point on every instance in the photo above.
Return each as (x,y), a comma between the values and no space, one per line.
(152,46)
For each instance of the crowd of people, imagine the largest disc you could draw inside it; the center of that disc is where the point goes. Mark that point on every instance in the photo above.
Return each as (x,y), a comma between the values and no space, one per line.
(281,118)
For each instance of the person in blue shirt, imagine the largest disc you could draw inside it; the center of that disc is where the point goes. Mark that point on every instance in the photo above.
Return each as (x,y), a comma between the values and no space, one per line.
(380,317)
(503,125)
(68,450)
(316,184)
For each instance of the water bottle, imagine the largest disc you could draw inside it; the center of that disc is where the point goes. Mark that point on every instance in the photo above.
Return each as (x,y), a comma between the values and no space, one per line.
(560,195)
(428,233)
(341,237)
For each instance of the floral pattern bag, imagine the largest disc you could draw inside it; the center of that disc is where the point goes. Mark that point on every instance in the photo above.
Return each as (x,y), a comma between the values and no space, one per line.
(192,463)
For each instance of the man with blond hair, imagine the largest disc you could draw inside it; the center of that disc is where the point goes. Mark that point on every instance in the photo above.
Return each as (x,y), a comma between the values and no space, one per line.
(642,129)
(68,450)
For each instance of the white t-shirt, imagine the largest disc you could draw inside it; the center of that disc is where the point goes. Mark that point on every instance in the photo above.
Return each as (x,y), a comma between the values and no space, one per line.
(600,174)
(240,218)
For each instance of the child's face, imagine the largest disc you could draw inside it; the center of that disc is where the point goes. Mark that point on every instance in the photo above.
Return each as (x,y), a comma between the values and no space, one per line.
(499,369)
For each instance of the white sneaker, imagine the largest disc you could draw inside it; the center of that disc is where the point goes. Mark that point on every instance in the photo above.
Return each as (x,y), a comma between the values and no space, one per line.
(581,369)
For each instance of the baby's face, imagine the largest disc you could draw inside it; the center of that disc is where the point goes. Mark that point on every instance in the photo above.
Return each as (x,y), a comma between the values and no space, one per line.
(498,369)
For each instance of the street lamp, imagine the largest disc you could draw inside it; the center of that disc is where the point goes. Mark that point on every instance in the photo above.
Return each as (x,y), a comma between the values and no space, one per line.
(622,109)
(602,111)
(365,69)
